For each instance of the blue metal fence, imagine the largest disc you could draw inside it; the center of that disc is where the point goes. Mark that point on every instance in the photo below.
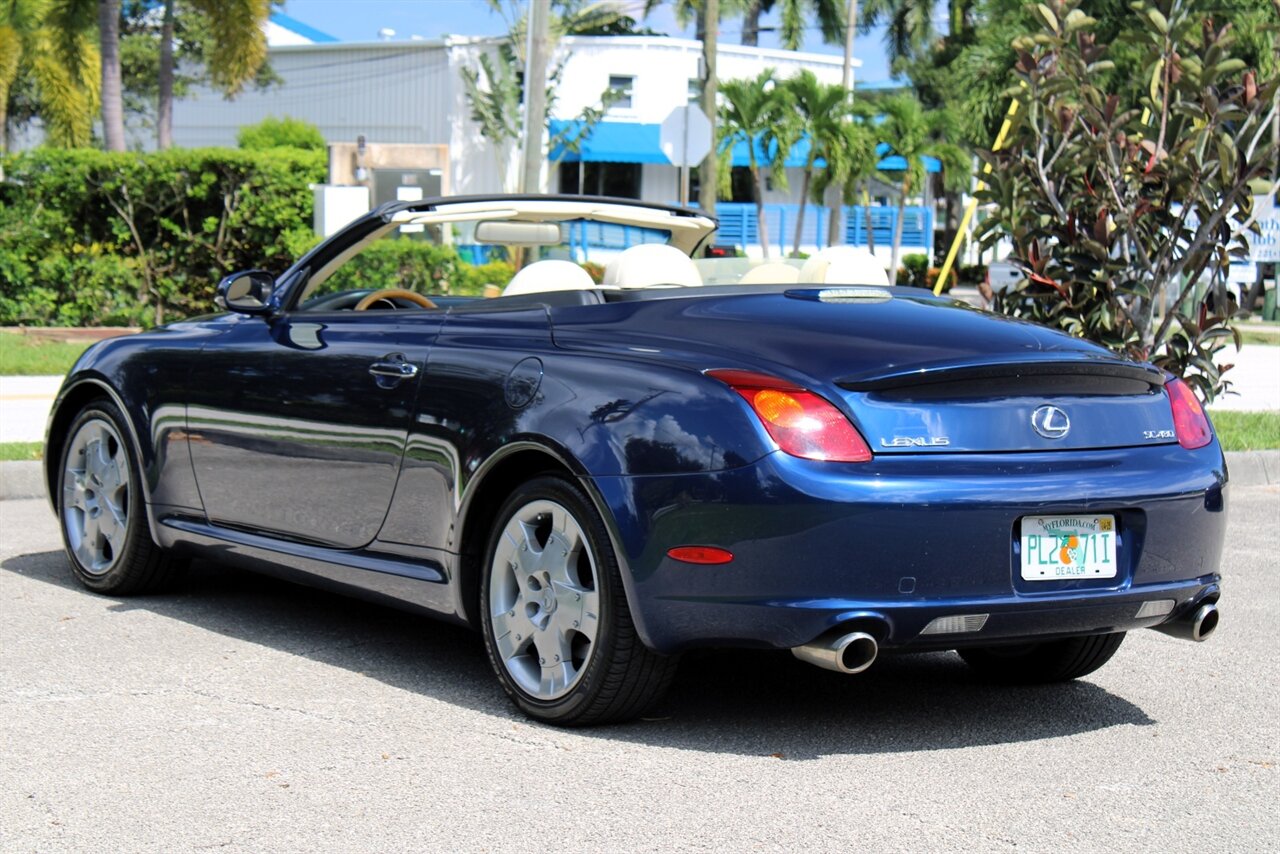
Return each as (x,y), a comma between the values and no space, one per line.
(739,225)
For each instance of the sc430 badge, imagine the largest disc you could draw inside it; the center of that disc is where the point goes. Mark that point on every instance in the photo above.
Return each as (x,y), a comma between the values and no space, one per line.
(915,442)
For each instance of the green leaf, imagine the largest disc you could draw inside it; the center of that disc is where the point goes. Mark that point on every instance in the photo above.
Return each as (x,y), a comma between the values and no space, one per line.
(1047,14)
(1161,23)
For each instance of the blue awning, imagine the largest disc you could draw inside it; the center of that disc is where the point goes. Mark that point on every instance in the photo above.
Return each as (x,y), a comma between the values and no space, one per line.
(611,142)
(800,155)
(633,142)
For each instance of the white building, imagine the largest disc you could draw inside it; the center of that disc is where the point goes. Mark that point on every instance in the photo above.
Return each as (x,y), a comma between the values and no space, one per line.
(412,92)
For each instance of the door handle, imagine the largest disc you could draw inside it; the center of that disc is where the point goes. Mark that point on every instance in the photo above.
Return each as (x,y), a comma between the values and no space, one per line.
(393,367)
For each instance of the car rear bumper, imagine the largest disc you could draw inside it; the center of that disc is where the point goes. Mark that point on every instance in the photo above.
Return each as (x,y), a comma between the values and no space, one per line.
(900,541)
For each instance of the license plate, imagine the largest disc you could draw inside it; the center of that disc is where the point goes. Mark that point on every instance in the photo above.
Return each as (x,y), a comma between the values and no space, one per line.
(1057,547)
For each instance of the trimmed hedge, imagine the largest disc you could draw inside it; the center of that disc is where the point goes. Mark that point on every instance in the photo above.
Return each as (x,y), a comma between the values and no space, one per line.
(92,238)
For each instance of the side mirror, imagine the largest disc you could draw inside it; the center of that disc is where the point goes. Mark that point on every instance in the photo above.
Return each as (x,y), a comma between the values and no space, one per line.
(247,292)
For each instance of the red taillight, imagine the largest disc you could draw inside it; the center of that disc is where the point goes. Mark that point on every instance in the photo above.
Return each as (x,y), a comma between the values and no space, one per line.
(702,555)
(1189,421)
(802,423)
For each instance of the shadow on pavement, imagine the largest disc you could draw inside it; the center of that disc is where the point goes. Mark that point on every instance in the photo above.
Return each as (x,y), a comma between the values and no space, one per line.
(744,702)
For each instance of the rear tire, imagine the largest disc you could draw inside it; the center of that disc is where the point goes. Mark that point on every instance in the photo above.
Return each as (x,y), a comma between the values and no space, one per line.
(1050,661)
(101,511)
(554,614)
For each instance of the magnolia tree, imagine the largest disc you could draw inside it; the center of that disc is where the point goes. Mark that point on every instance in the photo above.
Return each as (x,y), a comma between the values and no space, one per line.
(1125,216)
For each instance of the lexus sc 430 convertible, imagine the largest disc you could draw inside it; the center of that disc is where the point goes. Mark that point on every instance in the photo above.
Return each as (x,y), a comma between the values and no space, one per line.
(599,475)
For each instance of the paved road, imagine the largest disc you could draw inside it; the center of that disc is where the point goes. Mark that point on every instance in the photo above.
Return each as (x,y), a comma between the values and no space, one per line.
(245,714)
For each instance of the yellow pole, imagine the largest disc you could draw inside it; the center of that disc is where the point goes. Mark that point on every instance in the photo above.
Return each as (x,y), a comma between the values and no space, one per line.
(973,203)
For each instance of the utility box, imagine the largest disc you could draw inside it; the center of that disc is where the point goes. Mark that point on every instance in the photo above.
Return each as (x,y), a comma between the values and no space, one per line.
(336,206)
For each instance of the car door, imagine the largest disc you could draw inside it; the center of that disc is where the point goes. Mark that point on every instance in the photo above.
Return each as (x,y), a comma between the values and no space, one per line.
(298,422)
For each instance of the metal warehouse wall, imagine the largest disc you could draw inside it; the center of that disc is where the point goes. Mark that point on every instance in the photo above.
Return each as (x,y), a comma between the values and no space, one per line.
(390,92)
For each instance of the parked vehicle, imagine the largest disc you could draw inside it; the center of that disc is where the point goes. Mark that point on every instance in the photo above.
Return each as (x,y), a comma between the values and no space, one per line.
(599,477)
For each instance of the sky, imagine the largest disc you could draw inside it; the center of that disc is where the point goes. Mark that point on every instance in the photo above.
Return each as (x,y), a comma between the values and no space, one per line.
(349,20)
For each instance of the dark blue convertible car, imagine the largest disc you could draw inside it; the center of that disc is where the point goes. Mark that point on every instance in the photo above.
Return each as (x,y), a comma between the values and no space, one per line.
(598,476)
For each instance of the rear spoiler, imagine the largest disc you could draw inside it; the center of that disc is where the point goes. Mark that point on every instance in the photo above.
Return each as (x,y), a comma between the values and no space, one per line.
(1011,368)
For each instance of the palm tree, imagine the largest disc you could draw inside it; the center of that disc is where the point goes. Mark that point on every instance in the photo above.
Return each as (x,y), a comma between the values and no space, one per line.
(851,163)
(758,112)
(112,85)
(908,25)
(823,111)
(795,14)
(914,134)
(238,51)
(55,41)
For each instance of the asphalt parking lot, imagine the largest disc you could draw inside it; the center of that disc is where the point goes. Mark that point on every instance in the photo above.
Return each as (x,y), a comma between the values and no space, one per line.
(241,713)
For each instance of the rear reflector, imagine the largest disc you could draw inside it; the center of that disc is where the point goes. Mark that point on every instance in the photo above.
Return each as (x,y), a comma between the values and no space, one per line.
(802,423)
(704,555)
(1189,422)
(956,624)
(1154,608)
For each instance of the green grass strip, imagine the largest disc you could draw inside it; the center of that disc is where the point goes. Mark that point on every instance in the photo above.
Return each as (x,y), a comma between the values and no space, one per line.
(1247,431)
(29,356)
(11,451)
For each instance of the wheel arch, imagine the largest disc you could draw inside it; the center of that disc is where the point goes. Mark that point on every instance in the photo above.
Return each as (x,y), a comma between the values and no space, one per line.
(519,462)
(71,400)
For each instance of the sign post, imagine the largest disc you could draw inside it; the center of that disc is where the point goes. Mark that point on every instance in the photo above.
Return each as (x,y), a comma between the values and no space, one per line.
(685,138)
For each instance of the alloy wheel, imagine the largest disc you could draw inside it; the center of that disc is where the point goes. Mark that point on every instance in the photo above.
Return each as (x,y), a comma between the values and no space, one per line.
(95,496)
(543,599)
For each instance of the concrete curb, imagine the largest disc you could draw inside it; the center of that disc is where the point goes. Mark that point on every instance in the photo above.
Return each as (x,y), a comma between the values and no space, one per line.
(21,479)
(25,479)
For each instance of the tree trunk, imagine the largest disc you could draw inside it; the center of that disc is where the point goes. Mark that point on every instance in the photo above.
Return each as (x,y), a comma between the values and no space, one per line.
(835,200)
(708,172)
(535,96)
(897,234)
(762,226)
(751,23)
(164,111)
(112,90)
(850,31)
(804,202)
(866,212)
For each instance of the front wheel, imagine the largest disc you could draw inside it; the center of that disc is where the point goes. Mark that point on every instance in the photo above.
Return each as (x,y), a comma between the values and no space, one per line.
(1049,661)
(556,624)
(101,510)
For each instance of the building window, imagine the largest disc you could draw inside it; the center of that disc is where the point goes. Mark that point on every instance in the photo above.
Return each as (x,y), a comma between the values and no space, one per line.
(621,180)
(622,86)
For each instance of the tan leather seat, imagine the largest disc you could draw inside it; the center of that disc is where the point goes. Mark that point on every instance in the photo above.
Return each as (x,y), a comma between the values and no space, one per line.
(844,265)
(771,274)
(650,265)
(550,275)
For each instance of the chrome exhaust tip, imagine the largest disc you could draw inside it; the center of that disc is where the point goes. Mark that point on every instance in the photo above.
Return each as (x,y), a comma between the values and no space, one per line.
(843,652)
(1202,623)
(1205,622)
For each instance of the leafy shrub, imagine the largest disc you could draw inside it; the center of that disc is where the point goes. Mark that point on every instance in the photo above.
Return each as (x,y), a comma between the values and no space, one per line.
(473,279)
(89,237)
(913,270)
(285,132)
(594,270)
(401,262)
(1126,209)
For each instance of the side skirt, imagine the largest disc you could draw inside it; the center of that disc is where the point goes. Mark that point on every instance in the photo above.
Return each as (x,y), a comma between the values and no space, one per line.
(417,584)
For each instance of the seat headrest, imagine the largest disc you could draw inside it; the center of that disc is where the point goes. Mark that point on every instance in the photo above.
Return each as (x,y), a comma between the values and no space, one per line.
(651,264)
(844,265)
(771,274)
(550,275)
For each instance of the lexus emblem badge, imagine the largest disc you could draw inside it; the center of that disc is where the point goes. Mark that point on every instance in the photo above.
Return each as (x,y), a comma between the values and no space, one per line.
(1050,422)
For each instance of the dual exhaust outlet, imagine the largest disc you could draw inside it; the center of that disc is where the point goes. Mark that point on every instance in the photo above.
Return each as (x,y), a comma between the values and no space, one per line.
(853,652)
